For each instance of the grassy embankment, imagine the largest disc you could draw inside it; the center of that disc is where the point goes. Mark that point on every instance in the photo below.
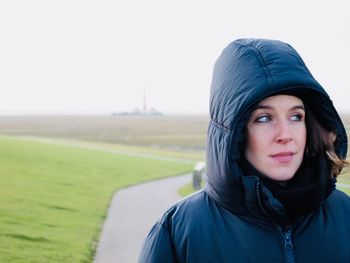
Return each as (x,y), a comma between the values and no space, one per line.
(54,197)
(179,133)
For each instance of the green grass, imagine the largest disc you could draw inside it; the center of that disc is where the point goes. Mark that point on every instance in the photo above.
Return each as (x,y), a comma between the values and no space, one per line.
(344,178)
(54,197)
(186,190)
(179,155)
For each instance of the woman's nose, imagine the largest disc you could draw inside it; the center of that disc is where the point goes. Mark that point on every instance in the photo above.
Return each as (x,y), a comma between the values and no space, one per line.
(283,134)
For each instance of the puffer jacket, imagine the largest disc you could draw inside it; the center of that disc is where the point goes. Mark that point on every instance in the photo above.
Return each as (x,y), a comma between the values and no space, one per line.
(235,218)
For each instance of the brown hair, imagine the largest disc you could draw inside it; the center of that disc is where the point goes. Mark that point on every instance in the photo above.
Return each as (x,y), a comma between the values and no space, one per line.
(321,141)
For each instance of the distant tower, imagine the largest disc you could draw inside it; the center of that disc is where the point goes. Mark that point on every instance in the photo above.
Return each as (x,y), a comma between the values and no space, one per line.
(144,101)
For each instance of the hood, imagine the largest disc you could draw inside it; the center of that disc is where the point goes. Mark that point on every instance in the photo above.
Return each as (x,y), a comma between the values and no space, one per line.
(247,71)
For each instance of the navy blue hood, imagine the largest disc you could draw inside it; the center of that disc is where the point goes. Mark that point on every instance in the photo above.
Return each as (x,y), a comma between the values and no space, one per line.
(247,71)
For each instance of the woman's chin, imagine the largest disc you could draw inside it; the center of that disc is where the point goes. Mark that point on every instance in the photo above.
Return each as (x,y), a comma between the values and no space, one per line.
(280,175)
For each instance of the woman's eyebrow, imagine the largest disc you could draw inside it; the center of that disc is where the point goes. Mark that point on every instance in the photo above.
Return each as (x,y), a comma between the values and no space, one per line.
(258,107)
(301,107)
(296,107)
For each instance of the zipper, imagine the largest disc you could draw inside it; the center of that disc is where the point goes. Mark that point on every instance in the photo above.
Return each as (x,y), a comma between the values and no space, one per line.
(286,231)
(288,245)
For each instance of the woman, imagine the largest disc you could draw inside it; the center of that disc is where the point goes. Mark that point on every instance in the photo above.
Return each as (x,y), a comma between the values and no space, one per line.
(275,147)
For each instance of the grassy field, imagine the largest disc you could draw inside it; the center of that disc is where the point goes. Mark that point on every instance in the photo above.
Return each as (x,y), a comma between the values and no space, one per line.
(58,174)
(54,197)
(184,133)
(132,150)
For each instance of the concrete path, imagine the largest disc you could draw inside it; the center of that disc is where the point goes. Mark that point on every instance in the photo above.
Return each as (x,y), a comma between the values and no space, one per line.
(131,214)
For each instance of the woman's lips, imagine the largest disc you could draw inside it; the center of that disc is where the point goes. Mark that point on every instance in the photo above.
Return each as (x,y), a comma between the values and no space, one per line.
(283,157)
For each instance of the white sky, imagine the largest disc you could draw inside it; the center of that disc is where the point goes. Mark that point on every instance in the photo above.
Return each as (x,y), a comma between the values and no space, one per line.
(72,55)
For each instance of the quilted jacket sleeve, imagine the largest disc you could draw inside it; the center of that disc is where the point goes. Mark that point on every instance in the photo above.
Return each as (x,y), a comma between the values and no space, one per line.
(158,247)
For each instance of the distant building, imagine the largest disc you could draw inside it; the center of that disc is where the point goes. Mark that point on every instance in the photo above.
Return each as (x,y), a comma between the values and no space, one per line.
(136,111)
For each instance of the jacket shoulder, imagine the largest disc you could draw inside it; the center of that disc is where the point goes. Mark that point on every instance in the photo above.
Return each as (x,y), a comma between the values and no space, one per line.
(187,208)
(159,245)
(339,201)
(340,196)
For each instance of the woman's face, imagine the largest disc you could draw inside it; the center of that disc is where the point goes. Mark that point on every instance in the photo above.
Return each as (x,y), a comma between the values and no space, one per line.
(276,137)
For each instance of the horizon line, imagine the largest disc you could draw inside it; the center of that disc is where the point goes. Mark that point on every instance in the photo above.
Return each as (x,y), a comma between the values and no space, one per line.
(92,113)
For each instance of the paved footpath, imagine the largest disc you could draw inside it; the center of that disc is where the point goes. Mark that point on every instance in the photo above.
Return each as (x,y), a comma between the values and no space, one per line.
(131,214)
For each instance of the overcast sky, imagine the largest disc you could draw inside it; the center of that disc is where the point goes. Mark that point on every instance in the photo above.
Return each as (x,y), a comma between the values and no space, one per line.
(101,55)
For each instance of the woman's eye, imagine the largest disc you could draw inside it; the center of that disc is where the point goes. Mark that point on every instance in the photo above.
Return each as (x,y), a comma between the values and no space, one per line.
(297,117)
(263,118)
